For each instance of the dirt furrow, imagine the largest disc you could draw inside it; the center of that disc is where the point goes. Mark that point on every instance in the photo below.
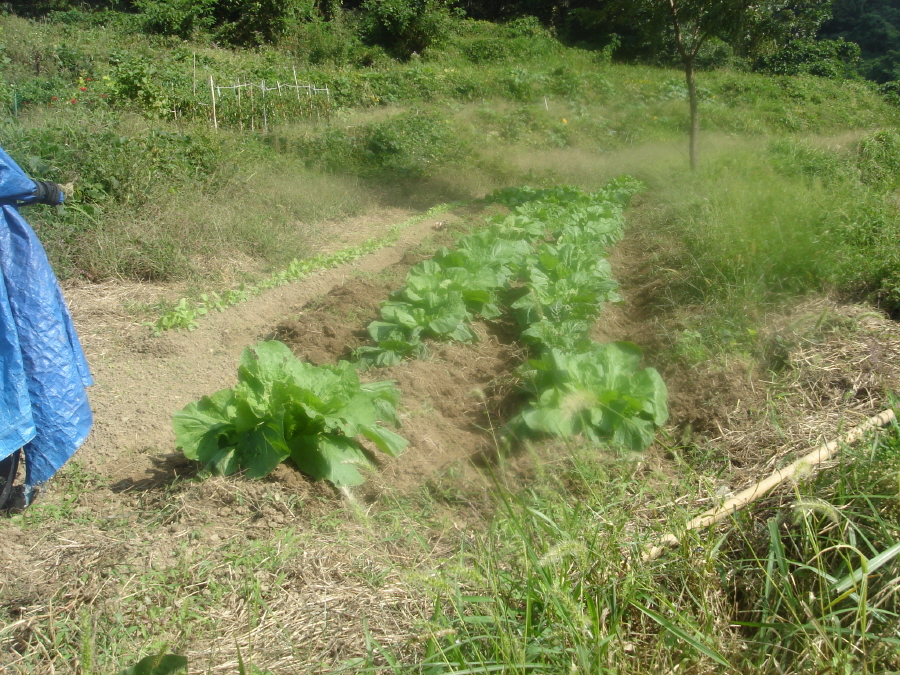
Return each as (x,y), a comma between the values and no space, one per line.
(141,380)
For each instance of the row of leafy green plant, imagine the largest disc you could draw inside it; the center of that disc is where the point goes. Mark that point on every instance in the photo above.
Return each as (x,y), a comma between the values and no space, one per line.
(543,263)
(184,313)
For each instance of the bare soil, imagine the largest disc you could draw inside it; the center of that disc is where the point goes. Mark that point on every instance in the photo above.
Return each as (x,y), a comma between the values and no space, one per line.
(140,380)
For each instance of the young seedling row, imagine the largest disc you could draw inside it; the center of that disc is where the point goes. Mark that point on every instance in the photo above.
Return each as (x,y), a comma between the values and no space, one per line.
(544,264)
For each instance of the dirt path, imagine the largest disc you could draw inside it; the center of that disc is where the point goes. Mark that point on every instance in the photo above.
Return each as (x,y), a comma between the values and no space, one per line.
(141,380)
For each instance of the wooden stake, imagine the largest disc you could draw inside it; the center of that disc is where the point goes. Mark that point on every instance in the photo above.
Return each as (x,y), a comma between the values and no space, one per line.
(252,110)
(240,107)
(278,84)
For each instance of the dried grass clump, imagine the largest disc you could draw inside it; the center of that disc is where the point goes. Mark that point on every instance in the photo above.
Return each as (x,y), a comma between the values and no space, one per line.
(832,366)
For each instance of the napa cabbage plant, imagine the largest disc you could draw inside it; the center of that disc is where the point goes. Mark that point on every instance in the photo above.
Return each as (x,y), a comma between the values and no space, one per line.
(284,408)
(602,394)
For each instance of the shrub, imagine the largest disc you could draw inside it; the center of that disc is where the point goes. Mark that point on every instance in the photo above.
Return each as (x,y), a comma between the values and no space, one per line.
(834,59)
(320,42)
(485,50)
(879,159)
(715,54)
(176,17)
(891,92)
(246,23)
(411,144)
(406,27)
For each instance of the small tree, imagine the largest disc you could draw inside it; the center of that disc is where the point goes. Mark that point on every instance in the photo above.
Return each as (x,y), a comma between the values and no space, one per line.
(690,23)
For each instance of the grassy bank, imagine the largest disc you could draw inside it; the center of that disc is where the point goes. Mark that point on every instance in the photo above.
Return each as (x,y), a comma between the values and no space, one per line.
(161,194)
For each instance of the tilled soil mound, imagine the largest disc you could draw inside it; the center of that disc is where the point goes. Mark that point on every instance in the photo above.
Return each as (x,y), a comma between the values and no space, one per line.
(453,402)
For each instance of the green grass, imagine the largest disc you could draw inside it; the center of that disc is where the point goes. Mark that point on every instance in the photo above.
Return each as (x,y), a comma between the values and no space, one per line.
(759,225)
(795,196)
(542,573)
(557,584)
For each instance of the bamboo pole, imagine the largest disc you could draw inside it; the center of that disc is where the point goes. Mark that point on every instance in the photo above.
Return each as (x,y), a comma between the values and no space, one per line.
(262,87)
(194,88)
(296,84)
(212,93)
(821,454)
(240,107)
(252,109)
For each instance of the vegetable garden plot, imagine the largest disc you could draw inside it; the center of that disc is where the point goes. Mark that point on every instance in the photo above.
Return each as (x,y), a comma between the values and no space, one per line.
(542,265)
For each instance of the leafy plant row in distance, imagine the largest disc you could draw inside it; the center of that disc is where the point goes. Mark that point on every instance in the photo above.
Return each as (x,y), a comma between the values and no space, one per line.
(186,311)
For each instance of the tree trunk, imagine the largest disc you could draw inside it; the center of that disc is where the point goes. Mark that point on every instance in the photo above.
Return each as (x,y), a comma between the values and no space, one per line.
(695,115)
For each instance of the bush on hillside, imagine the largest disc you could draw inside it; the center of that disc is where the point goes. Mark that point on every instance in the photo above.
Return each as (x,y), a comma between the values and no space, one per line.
(521,38)
(834,59)
(879,159)
(245,23)
(410,145)
(176,17)
(890,91)
(405,27)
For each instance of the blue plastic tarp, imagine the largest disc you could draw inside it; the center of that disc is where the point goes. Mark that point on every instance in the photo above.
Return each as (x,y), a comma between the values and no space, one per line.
(45,407)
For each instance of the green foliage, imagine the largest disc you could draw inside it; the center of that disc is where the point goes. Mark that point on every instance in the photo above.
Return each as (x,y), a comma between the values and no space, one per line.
(834,59)
(715,53)
(182,315)
(875,27)
(406,27)
(109,230)
(185,312)
(176,17)
(103,161)
(245,23)
(283,408)
(158,664)
(108,176)
(523,38)
(819,574)
(565,285)
(600,393)
(410,144)
(879,159)
(331,42)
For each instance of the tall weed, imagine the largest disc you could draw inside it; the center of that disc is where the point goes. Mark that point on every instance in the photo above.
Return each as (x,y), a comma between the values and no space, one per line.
(756,226)
(557,584)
